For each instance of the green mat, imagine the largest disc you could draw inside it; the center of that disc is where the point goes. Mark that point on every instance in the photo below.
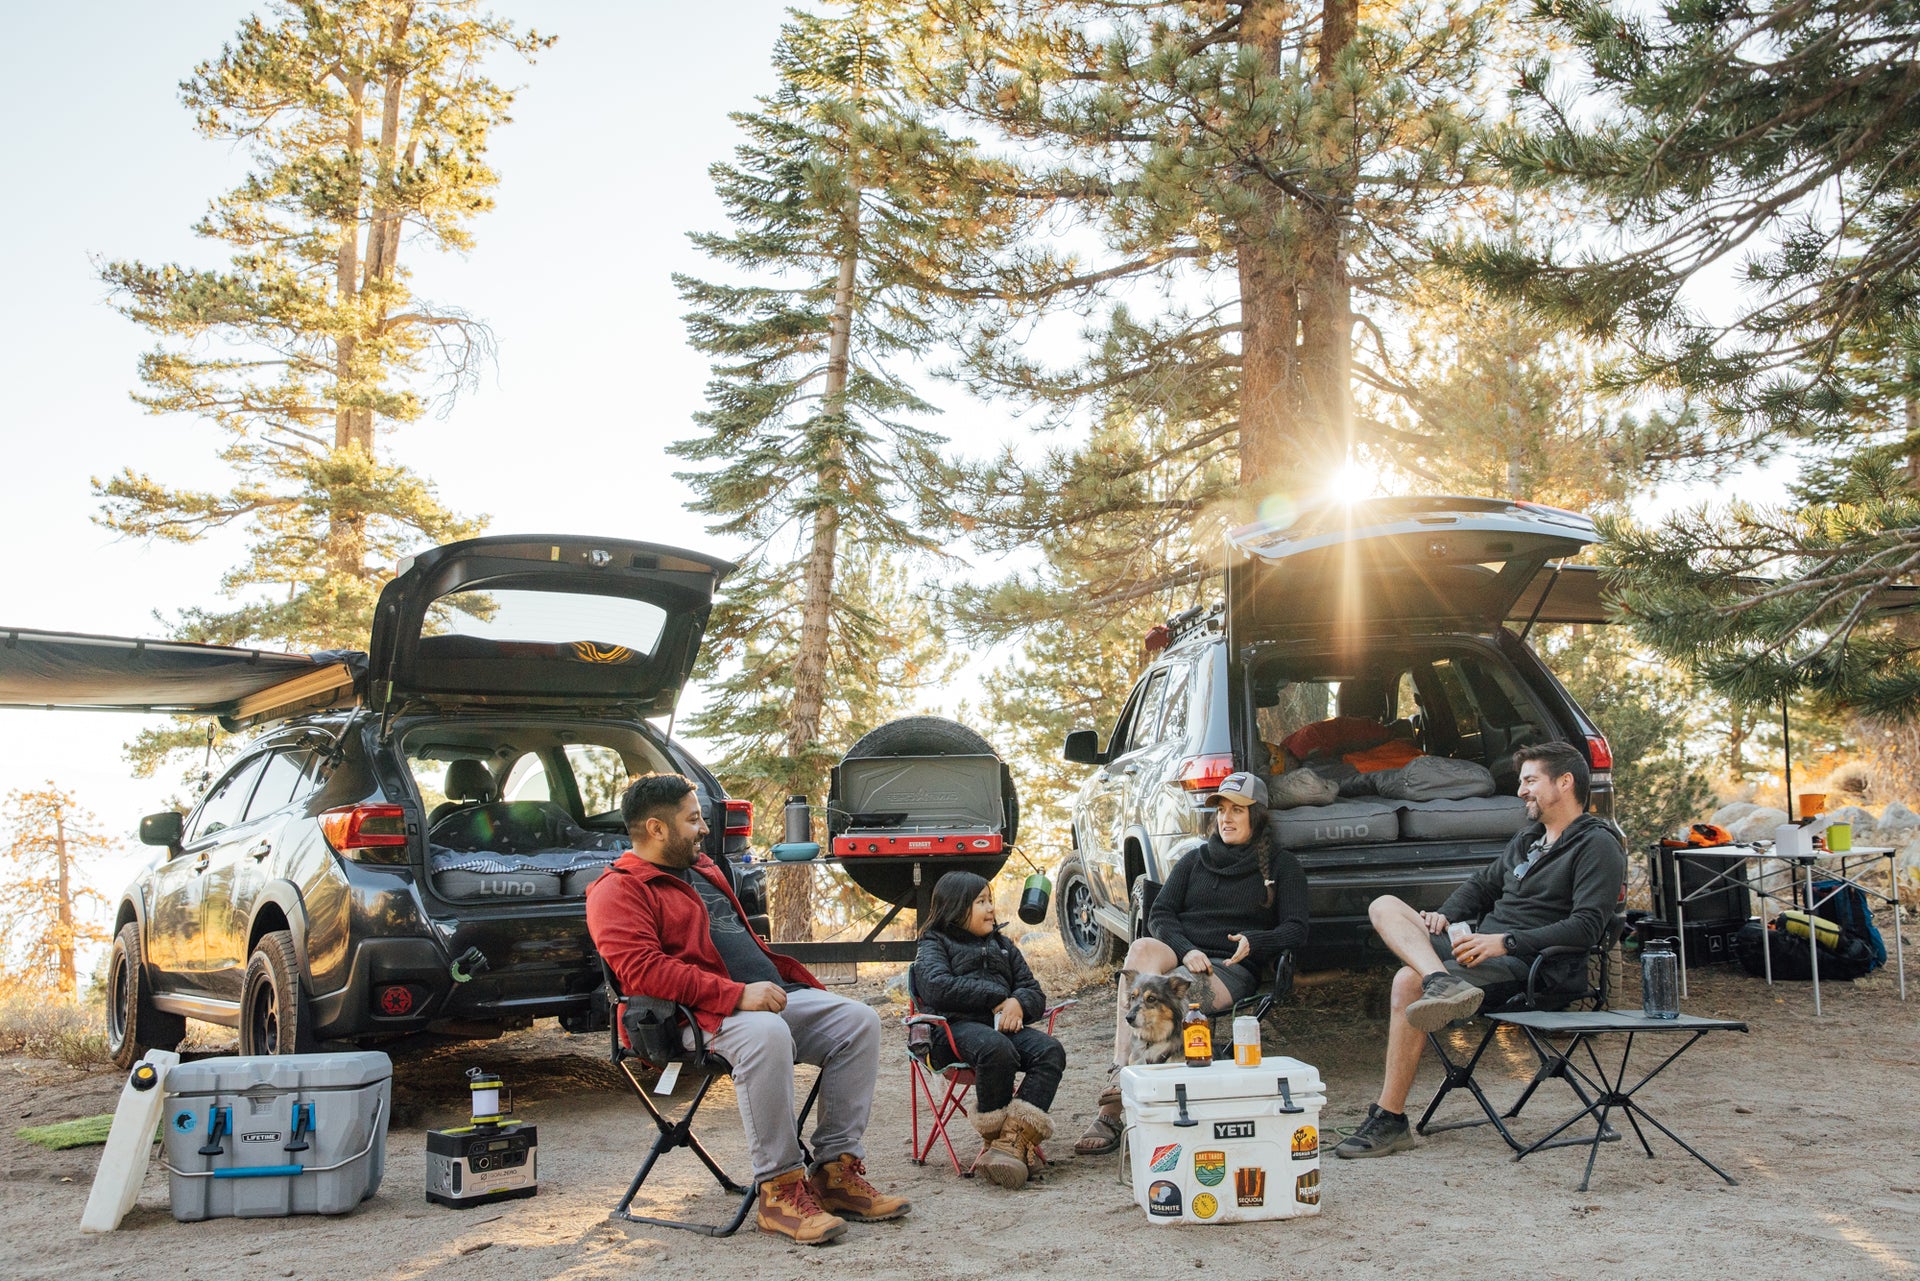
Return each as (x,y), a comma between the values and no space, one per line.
(87,1132)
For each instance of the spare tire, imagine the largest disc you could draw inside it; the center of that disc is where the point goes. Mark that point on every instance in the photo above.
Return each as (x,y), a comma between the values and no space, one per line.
(882,877)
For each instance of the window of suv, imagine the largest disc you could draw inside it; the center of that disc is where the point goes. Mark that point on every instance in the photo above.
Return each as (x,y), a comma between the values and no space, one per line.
(226,804)
(1143,726)
(527,780)
(600,774)
(284,780)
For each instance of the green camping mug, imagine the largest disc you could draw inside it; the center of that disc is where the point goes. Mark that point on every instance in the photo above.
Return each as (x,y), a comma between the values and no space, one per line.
(1033,898)
(1840,838)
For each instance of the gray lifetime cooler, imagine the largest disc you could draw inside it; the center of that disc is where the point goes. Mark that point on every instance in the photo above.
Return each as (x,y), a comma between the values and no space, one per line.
(296,1133)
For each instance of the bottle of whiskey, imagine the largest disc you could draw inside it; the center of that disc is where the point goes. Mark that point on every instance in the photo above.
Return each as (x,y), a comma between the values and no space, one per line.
(1196,1035)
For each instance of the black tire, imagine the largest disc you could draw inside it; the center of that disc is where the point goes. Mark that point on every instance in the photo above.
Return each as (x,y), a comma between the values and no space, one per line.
(918,736)
(273,1011)
(1089,944)
(1139,903)
(133,1025)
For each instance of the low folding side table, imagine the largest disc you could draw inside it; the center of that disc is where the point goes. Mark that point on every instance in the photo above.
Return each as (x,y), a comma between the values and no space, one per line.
(1608,1092)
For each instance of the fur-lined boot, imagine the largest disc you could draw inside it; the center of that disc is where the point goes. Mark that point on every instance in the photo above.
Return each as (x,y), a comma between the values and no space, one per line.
(1006,1160)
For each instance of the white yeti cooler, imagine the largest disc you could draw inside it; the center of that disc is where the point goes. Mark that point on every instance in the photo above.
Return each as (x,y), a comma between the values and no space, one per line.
(267,1136)
(1224,1144)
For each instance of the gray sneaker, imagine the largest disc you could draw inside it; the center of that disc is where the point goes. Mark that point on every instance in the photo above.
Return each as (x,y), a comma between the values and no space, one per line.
(1378,1135)
(1443,998)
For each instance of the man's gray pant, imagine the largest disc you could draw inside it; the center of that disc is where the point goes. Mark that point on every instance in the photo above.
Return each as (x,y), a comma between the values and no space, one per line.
(841,1036)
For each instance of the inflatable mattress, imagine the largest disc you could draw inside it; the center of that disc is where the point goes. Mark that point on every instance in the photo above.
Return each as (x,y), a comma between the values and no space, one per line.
(1364,821)
(1478,817)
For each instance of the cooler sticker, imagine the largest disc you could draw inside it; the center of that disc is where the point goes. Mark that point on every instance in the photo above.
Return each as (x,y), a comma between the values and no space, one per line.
(1233,1129)
(184,1122)
(1306,1188)
(1204,1206)
(1306,1143)
(1163,1200)
(1165,1159)
(1249,1187)
(1210,1168)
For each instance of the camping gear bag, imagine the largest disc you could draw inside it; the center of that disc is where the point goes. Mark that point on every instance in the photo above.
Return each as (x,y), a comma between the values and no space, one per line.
(1792,955)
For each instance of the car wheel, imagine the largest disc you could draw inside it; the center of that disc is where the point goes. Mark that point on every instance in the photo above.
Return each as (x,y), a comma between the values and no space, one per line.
(133,1025)
(273,1014)
(1088,942)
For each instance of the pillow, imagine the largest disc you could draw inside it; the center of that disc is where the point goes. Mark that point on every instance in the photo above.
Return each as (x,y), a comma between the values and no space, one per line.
(1300,787)
(1437,778)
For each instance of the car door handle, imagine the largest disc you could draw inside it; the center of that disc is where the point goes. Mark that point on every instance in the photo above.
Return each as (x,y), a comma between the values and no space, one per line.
(261,850)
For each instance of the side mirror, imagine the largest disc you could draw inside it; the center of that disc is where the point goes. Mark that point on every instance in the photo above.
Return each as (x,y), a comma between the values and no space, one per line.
(1083,748)
(164,828)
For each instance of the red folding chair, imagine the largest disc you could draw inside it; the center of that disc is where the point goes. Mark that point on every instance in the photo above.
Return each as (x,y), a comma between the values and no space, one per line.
(958,1076)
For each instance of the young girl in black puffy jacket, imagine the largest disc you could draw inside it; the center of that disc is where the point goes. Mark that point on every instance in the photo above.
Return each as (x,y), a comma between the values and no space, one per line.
(969,973)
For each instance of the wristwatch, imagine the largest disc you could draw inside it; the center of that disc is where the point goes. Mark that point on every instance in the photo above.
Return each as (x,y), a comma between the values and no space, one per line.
(1506,941)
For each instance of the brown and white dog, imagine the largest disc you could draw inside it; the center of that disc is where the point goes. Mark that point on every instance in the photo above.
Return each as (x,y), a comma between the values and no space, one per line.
(1156,1003)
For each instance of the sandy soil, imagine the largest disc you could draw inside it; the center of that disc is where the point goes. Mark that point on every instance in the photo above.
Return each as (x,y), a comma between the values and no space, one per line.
(1818,1119)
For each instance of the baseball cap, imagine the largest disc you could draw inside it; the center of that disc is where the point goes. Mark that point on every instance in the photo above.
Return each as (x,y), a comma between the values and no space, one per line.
(1248,789)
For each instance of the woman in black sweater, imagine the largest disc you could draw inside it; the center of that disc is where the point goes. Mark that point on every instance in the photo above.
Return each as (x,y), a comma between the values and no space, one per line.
(967,972)
(1226,914)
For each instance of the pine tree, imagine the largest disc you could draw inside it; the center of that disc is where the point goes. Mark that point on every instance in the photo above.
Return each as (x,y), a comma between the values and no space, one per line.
(46,914)
(367,122)
(1242,186)
(844,204)
(1773,144)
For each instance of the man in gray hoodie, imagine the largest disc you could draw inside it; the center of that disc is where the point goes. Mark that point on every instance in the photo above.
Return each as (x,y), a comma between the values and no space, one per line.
(1557,883)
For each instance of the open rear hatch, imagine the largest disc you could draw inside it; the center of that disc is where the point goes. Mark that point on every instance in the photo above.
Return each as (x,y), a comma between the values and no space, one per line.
(1394,566)
(530,620)
(242,687)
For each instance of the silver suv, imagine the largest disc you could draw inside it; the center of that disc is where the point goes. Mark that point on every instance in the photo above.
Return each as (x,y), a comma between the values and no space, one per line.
(1383,623)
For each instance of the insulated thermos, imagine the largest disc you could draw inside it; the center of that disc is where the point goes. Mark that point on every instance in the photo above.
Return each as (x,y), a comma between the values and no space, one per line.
(1660,980)
(799,821)
(1033,898)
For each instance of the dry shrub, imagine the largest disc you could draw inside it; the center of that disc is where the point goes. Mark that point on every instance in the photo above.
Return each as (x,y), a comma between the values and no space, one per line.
(35,1023)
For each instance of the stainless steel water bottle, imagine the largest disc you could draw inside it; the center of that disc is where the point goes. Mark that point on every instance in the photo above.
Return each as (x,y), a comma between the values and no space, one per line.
(799,821)
(1660,980)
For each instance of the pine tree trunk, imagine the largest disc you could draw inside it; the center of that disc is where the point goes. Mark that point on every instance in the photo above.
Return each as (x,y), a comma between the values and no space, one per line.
(1326,295)
(347,530)
(69,980)
(793,906)
(1269,304)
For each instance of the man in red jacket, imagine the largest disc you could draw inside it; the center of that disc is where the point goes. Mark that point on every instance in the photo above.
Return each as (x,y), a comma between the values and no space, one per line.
(668,925)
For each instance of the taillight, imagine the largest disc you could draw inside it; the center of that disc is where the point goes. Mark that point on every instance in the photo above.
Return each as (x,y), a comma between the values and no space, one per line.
(1204,773)
(1599,755)
(738,819)
(352,830)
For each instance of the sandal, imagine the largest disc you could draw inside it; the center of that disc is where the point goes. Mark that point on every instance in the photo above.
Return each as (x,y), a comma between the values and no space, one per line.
(1110,1096)
(1102,1136)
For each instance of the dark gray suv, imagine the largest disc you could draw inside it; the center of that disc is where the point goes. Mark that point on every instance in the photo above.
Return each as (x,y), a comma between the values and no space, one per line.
(1380,625)
(405,845)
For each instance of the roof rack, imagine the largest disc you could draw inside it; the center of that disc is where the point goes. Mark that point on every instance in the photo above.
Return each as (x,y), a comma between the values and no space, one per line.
(1198,618)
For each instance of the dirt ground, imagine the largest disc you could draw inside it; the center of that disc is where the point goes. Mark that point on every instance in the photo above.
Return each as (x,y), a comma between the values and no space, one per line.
(1818,1119)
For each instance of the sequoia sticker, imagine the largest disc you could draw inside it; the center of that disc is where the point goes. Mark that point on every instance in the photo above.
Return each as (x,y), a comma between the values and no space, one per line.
(1306,1143)
(1204,1206)
(1210,1168)
(1163,1200)
(1165,1159)
(1249,1187)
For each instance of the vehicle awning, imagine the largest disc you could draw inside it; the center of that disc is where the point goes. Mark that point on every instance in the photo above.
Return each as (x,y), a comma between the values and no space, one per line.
(71,670)
(1575,596)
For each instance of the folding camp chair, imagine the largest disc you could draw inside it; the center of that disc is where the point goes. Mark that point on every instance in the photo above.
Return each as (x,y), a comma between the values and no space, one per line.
(655,1040)
(957,1075)
(1594,990)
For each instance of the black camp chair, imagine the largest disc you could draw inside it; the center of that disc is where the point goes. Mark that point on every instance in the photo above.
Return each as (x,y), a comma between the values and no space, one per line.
(1591,989)
(1275,986)
(655,1040)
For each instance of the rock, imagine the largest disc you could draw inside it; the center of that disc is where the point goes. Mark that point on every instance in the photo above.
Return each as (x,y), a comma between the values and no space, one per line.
(897,985)
(1758,825)
(1896,818)
(1727,815)
(1863,822)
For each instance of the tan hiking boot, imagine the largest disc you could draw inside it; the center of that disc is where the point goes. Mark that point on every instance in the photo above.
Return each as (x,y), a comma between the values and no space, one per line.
(841,1187)
(788,1208)
(1009,1159)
